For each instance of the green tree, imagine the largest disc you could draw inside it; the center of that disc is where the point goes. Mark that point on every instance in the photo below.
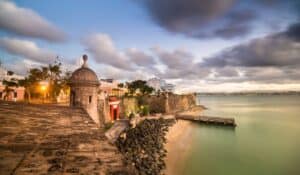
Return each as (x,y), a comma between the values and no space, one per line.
(27,84)
(51,74)
(10,73)
(139,85)
(9,84)
(54,75)
(36,75)
(65,81)
(121,85)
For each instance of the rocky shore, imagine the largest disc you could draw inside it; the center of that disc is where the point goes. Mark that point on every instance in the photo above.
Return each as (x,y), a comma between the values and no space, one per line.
(144,146)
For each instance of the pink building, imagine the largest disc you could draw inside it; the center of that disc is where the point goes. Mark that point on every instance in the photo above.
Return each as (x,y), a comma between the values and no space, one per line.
(16,93)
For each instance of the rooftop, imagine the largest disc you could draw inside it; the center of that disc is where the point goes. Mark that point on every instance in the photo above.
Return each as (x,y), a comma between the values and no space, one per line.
(84,75)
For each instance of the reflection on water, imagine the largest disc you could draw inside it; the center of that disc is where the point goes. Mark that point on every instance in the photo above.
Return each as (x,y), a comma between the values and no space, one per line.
(215,127)
(265,142)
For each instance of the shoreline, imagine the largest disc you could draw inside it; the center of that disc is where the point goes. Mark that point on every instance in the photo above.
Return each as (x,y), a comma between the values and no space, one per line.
(154,145)
(178,146)
(179,142)
(143,146)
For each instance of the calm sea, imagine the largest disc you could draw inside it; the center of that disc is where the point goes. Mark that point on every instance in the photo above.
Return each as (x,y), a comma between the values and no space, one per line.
(265,142)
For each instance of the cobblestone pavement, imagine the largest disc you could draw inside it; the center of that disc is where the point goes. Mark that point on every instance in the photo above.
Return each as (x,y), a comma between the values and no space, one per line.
(44,139)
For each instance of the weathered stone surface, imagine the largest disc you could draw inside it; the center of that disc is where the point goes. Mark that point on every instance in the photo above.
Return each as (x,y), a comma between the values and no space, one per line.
(128,105)
(114,132)
(178,103)
(44,139)
(163,103)
(84,85)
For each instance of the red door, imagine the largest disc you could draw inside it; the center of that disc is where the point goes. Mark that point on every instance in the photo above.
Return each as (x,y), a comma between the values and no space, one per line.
(114,112)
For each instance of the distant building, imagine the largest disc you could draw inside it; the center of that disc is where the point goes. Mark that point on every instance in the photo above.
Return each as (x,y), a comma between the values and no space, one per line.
(5,75)
(168,87)
(14,93)
(160,85)
(63,97)
(110,88)
(155,83)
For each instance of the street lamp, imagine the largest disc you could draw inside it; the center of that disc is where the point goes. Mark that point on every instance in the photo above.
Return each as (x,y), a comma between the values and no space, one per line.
(43,86)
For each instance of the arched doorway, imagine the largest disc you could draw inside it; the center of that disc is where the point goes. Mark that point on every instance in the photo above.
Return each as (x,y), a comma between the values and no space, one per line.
(114,108)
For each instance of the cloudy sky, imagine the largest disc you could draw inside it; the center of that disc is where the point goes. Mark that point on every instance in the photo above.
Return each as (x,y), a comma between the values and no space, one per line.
(199,45)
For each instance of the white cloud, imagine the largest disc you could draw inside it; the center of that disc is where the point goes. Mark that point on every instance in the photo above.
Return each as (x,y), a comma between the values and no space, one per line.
(179,63)
(226,72)
(20,66)
(274,50)
(187,86)
(124,75)
(102,48)
(177,59)
(27,49)
(26,22)
(140,58)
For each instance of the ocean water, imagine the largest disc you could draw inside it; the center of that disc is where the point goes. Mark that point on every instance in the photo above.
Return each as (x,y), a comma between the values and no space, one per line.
(265,142)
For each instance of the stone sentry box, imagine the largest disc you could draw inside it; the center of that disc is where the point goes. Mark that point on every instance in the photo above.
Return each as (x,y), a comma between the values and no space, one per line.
(84,85)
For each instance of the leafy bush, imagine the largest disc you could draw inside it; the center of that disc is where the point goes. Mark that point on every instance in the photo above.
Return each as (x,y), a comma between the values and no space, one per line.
(144,110)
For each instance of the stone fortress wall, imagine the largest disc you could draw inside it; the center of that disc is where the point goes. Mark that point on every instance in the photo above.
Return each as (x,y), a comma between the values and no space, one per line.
(165,104)
(171,103)
(84,85)
(87,96)
(179,103)
(128,105)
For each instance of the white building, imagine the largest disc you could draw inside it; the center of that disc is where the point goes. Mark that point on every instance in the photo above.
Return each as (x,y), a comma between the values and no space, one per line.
(4,75)
(17,93)
(168,87)
(110,87)
(160,85)
(155,83)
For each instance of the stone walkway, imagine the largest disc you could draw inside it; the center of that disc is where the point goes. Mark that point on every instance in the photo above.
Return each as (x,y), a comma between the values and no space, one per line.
(44,139)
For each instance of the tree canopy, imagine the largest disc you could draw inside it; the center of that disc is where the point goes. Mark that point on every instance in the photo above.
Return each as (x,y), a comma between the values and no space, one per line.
(139,87)
(52,74)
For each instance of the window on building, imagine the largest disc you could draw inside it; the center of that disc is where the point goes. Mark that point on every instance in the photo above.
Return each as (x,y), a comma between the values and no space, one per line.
(15,94)
(90,99)
(0,95)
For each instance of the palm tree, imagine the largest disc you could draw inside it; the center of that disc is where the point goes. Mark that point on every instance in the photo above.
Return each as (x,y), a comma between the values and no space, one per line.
(51,73)
(54,79)
(8,87)
(7,90)
(26,83)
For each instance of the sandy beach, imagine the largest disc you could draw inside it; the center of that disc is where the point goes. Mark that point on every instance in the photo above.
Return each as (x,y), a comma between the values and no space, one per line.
(179,141)
(178,144)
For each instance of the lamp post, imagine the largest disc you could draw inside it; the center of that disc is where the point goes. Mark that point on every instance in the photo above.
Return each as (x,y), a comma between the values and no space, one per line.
(43,86)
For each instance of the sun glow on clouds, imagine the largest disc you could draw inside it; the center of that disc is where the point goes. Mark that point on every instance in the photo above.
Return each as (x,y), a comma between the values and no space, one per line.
(203,86)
